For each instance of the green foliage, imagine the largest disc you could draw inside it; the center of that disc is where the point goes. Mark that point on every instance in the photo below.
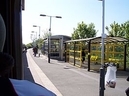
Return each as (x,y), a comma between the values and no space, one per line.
(126,29)
(84,31)
(116,29)
(46,34)
(29,45)
(121,30)
(39,42)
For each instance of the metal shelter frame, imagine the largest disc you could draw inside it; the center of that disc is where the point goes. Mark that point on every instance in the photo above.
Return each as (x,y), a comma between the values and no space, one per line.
(96,40)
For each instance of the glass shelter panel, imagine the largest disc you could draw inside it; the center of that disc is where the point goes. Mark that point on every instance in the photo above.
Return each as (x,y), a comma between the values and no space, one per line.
(55,47)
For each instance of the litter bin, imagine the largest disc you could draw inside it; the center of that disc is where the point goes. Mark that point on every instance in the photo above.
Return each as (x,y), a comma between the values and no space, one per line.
(110,77)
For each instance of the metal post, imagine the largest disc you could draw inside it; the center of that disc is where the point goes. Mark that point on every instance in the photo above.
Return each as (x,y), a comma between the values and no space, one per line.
(102,72)
(89,50)
(38,39)
(125,52)
(39,32)
(65,52)
(103,28)
(102,79)
(36,35)
(74,53)
(49,47)
(61,47)
(49,40)
(50,23)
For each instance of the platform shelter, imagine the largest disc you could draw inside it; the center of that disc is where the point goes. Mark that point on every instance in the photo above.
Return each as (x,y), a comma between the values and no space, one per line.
(55,46)
(114,52)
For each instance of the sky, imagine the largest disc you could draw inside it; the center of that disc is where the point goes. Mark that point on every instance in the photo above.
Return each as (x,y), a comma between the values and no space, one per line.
(72,13)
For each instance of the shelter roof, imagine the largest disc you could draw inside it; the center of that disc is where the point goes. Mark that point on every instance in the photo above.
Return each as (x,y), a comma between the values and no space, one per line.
(98,40)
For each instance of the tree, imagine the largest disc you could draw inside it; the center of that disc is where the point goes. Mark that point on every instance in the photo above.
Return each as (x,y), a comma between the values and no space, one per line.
(116,29)
(126,29)
(40,42)
(84,31)
(121,30)
(46,34)
(29,45)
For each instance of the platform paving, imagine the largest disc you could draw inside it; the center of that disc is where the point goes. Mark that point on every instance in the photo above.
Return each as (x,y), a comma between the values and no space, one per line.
(67,80)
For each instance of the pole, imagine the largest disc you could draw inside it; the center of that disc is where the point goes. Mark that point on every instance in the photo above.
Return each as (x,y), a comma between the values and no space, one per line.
(49,40)
(48,49)
(50,23)
(102,69)
(36,36)
(38,39)
(39,32)
(102,87)
(103,28)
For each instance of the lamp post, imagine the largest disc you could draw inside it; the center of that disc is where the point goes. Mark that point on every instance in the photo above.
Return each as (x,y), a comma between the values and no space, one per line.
(39,38)
(31,37)
(39,29)
(50,32)
(102,69)
(50,19)
(35,38)
(35,34)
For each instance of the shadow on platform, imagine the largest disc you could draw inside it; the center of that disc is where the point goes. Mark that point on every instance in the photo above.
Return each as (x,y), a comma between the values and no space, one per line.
(27,73)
